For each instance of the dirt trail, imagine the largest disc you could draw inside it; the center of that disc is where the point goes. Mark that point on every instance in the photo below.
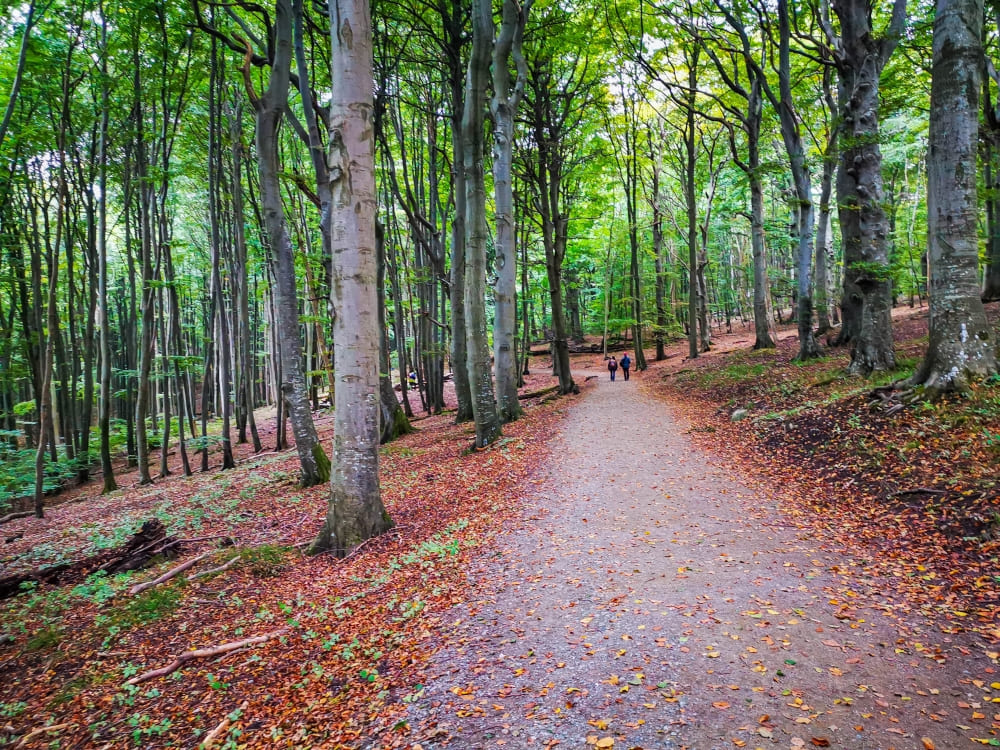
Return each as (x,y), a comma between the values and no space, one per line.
(654,600)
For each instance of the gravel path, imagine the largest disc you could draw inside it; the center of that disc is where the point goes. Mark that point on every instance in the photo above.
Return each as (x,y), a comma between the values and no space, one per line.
(652,600)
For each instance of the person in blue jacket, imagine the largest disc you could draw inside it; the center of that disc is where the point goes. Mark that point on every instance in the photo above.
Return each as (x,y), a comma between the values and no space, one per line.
(626,364)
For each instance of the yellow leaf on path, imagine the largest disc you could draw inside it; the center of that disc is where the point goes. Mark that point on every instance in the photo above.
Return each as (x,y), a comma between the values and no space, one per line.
(605,742)
(601,724)
(928,743)
(721,704)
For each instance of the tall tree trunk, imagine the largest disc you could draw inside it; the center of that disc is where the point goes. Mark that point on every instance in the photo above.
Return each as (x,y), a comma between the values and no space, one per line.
(104,324)
(356,512)
(242,334)
(314,463)
(484,406)
(803,206)
(394,419)
(691,204)
(824,231)
(860,58)
(655,200)
(18,72)
(145,349)
(506,98)
(991,180)
(960,348)
(454,23)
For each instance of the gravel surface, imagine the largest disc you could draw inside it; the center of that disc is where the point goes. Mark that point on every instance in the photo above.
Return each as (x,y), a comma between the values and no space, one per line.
(652,600)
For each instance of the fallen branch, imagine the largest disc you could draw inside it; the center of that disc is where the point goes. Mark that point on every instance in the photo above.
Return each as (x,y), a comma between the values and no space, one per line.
(15,516)
(210,571)
(222,728)
(203,653)
(917,491)
(42,730)
(140,587)
(534,394)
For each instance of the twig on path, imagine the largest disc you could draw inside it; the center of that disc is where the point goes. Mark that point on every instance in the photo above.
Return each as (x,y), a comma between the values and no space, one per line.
(202,653)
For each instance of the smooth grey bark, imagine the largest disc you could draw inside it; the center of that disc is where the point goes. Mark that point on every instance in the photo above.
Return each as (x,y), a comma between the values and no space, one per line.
(803,207)
(146,329)
(484,407)
(455,36)
(860,55)
(655,201)
(394,420)
(750,120)
(355,512)
(961,345)
(704,324)
(691,204)
(221,320)
(104,324)
(506,98)
(245,347)
(269,108)
(991,181)
(824,230)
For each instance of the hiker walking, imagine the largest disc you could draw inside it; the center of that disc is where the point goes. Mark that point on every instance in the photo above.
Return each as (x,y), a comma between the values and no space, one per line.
(612,367)
(626,364)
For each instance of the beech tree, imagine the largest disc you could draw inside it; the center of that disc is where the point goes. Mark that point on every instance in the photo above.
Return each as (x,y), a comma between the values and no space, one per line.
(269,109)
(860,54)
(506,98)
(961,347)
(355,512)
(477,353)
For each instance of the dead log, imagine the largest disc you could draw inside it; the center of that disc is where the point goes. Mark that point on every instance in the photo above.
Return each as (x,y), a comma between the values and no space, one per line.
(15,516)
(203,653)
(535,394)
(150,541)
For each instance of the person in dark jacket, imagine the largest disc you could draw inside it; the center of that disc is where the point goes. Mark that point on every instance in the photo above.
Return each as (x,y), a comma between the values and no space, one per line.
(612,367)
(626,364)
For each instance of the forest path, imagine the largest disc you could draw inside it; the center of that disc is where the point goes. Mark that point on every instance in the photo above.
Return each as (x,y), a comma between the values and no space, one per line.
(652,600)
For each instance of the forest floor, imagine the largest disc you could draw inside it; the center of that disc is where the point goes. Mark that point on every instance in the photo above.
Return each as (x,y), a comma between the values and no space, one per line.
(626,568)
